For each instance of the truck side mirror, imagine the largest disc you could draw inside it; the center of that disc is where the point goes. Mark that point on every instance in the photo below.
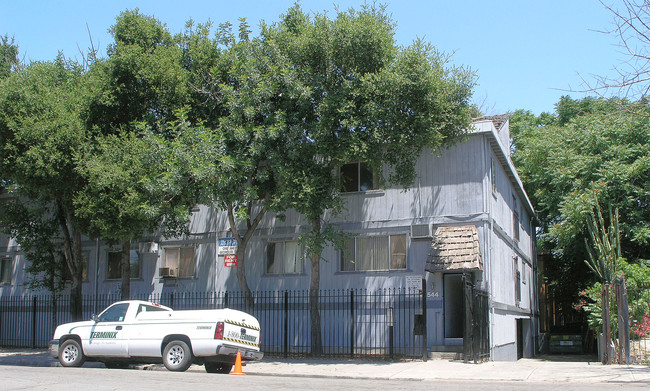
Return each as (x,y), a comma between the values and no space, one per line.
(94,318)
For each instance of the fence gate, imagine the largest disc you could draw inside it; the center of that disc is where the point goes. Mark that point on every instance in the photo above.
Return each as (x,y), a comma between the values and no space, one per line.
(476,344)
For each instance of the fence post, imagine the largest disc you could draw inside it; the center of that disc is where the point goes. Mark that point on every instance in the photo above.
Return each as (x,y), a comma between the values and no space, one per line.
(425,354)
(391,342)
(351,323)
(286,324)
(35,302)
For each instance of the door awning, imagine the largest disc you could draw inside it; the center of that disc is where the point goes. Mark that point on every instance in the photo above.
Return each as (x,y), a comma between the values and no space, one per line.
(455,248)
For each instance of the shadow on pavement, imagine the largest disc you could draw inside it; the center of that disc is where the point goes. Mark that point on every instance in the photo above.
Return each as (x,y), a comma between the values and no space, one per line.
(567,357)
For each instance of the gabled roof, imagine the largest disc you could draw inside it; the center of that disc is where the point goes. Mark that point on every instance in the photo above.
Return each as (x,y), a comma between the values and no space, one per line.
(455,248)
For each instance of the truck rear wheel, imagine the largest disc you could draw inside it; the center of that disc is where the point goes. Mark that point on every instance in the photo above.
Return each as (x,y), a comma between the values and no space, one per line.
(177,356)
(71,354)
(217,367)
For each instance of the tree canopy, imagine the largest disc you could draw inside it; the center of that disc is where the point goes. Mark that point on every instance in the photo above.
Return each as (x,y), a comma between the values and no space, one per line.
(278,115)
(40,133)
(587,147)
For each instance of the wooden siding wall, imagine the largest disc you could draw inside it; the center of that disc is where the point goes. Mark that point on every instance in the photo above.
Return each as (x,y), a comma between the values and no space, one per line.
(450,189)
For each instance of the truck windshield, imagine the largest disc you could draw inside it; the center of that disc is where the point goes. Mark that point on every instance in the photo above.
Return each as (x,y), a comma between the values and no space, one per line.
(114,313)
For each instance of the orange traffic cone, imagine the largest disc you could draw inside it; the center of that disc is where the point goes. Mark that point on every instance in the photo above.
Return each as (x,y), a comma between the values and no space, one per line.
(237,370)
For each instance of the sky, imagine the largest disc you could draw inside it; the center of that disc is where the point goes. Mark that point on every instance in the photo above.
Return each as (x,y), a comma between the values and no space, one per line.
(526,53)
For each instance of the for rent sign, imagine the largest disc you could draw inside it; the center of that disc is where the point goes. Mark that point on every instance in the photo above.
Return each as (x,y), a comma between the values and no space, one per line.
(230,260)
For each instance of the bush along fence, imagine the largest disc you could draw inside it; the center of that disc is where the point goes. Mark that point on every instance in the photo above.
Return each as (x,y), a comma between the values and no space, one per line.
(355,323)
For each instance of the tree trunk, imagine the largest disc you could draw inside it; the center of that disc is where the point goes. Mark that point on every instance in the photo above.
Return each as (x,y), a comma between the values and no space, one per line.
(607,334)
(242,242)
(74,260)
(55,311)
(125,270)
(314,290)
(623,320)
(241,275)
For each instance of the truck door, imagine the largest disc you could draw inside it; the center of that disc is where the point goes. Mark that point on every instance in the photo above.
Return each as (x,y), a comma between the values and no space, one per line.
(108,336)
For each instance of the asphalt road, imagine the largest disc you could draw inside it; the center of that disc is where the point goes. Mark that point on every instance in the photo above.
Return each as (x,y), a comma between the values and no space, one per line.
(14,378)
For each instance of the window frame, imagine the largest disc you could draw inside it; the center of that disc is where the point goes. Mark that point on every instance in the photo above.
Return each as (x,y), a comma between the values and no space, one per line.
(6,264)
(84,274)
(178,267)
(119,252)
(299,263)
(493,176)
(517,278)
(359,177)
(515,220)
(349,263)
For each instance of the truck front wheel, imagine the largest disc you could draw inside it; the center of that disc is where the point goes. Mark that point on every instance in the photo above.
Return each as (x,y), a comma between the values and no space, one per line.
(71,354)
(177,356)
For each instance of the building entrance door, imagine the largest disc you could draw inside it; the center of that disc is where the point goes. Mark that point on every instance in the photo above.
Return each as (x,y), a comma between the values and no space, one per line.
(454,308)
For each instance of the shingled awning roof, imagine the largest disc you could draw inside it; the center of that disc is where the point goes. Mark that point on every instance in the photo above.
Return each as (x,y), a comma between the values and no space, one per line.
(455,248)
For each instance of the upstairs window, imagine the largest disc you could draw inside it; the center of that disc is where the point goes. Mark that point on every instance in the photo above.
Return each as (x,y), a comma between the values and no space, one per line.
(515,219)
(517,276)
(284,257)
(356,177)
(493,177)
(371,253)
(114,271)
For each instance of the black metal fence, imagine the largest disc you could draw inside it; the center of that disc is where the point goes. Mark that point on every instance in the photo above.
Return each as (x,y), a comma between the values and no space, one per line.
(354,323)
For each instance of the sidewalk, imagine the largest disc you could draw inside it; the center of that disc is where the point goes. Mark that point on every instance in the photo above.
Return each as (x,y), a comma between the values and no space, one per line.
(542,369)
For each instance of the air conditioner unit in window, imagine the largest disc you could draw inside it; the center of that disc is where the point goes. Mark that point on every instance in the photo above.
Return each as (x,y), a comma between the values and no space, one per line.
(167,272)
(421,231)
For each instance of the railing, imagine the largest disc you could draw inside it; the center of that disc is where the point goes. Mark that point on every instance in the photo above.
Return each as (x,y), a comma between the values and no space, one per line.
(354,323)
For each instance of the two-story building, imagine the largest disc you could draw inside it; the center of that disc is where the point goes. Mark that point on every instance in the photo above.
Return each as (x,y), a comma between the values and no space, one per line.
(466,219)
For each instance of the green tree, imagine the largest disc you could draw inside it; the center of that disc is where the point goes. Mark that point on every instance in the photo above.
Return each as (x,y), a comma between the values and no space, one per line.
(8,56)
(33,225)
(241,88)
(141,81)
(586,146)
(140,183)
(40,133)
(357,96)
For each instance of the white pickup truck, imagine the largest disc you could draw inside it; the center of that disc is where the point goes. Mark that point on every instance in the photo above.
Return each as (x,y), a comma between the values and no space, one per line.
(143,332)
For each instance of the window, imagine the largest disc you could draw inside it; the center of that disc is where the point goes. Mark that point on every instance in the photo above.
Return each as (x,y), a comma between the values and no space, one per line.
(149,308)
(84,272)
(5,271)
(114,313)
(493,177)
(356,177)
(365,253)
(181,259)
(114,271)
(284,257)
(515,219)
(517,281)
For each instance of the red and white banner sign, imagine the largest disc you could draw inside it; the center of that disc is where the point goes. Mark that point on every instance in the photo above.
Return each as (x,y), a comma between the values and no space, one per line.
(230,260)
